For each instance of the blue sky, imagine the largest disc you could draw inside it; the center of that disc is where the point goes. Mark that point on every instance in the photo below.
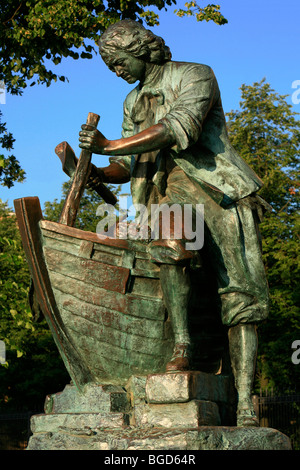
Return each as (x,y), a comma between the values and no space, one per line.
(260,40)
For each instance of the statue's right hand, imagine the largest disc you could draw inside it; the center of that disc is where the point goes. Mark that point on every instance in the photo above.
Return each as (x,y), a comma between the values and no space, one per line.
(92,139)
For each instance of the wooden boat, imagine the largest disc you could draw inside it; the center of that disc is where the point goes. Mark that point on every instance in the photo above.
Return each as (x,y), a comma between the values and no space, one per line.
(103,302)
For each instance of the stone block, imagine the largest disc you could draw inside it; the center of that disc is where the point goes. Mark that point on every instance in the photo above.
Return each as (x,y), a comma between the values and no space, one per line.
(203,438)
(169,388)
(92,399)
(237,438)
(182,387)
(136,390)
(80,422)
(181,411)
(180,415)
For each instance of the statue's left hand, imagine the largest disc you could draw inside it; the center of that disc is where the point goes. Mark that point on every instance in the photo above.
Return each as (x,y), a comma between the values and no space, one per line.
(91,139)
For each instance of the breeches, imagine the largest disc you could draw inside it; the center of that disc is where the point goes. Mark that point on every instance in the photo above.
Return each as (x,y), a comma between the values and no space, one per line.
(232,243)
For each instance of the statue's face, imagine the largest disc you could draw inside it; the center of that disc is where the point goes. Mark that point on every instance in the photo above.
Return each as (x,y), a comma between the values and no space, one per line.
(128,67)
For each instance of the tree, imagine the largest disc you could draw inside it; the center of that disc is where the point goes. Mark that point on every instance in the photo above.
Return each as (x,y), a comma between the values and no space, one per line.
(266,133)
(33,368)
(36,35)
(14,279)
(10,169)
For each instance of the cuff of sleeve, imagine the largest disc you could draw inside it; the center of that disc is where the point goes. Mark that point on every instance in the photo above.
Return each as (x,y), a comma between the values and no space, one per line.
(124,161)
(183,138)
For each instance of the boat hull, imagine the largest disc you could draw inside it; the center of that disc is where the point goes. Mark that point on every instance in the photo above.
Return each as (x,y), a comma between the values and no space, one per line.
(103,302)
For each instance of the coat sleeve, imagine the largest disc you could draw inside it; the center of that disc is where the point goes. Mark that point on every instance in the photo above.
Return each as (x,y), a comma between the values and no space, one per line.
(198,91)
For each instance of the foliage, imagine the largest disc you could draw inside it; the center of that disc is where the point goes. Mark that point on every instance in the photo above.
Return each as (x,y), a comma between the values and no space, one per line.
(36,35)
(40,371)
(209,13)
(16,318)
(10,170)
(266,133)
(32,362)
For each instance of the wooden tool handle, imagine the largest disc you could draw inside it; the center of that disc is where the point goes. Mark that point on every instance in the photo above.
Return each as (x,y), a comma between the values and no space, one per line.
(71,206)
(69,163)
(93,119)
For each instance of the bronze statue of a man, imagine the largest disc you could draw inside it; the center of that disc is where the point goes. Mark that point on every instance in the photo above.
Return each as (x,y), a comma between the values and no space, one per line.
(175,150)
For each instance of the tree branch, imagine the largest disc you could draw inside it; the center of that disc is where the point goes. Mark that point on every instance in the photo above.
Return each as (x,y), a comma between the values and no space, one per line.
(15,13)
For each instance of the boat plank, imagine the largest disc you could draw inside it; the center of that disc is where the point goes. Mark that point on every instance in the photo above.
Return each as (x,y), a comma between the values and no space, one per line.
(113,250)
(107,258)
(110,357)
(113,278)
(60,244)
(110,318)
(136,306)
(57,237)
(63,245)
(145,273)
(146,286)
(110,245)
(147,265)
(83,235)
(124,341)
(144,255)
(49,234)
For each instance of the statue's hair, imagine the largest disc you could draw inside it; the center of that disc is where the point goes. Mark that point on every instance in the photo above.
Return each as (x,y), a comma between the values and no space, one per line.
(131,37)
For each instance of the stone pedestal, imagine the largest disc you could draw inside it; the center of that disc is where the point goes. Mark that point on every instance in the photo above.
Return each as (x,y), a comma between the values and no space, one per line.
(184,411)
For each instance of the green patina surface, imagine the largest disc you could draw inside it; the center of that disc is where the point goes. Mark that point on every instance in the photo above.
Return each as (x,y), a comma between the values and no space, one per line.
(114,418)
